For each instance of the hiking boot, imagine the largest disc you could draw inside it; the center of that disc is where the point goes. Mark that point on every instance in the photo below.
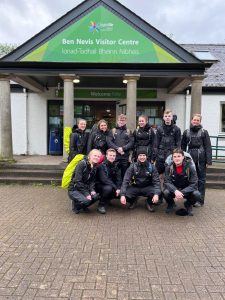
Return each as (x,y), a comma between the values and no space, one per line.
(188,208)
(86,209)
(132,205)
(150,207)
(169,208)
(197,204)
(101,210)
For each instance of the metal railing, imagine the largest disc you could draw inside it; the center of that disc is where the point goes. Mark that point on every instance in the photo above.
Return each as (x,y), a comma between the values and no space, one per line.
(218,148)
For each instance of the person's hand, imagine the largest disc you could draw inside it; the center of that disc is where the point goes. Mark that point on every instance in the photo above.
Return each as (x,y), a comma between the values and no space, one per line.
(120,150)
(117,193)
(178,195)
(123,200)
(93,193)
(155,198)
(88,197)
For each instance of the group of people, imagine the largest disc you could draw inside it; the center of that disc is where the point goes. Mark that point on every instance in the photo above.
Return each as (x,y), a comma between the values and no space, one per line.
(153,164)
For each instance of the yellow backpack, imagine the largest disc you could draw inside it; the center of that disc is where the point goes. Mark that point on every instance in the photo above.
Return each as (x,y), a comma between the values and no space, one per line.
(68,172)
(66,138)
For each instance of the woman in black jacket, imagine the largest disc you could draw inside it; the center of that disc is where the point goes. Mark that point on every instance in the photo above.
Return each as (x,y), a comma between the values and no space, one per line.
(82,186)
(196,141)
(143,138)
(97,139)
(78,140)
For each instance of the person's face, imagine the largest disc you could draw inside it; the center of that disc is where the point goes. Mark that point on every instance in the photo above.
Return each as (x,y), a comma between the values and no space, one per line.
(82,125)
(142,157)
(121,122)
(142,122)
(103,126)
(168,118)
(94,157)
(111,156)
(178,159)
(196,121)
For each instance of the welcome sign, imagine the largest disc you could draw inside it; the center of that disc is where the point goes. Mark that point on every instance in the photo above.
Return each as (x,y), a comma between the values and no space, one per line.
(100,36)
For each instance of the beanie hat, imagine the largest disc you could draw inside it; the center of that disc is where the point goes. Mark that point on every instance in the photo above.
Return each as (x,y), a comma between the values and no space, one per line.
(142,151)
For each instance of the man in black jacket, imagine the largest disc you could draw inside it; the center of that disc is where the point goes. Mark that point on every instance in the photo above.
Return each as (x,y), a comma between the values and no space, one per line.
(121,139)
(196,141)
(141,179)
(167,138)
(181,182)
(78,140)
(108,180)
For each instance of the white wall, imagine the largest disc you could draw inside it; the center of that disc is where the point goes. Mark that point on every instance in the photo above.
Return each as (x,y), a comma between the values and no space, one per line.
(37,120)
(211,114)
(19,135)
(175,102)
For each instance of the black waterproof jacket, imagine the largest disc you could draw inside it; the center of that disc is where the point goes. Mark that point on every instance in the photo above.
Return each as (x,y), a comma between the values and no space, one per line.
(167,138)
(143,139)
(121,137)
(196,141)
(109,174)
(97,140)
(185,182)
(141,175)
(83,178)
(78,143)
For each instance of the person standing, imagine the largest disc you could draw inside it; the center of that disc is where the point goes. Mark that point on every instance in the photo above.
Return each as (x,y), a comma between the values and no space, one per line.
(108,180)
(167,138)
(196,141)
(121,139)
(97,139)
(141,179)
(78,140)
(81,190)
(181,182)
(143,138)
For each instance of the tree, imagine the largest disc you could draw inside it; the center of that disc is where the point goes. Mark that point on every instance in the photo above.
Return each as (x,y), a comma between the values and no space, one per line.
(6,48)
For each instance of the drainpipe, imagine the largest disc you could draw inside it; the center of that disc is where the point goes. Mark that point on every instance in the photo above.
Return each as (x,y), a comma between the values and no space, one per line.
(187,110)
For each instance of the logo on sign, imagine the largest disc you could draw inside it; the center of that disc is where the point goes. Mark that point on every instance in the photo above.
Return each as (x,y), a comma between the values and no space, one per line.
(94,27)
(97,27)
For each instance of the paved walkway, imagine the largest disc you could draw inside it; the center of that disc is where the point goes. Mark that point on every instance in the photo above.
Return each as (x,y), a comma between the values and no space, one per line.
(47,252)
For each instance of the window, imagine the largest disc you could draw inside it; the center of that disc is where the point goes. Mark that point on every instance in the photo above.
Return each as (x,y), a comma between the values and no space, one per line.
(205,56)
(154,111)
(223,117)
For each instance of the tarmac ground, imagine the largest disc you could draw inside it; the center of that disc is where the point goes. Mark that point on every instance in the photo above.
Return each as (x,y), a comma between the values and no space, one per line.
(48,252)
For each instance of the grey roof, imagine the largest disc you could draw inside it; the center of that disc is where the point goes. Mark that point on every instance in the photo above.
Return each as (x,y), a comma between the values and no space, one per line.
(215,73)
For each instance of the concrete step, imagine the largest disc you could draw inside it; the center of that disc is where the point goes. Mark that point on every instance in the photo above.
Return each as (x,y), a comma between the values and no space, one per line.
(215,176)
(31,173)
(30,180)
(212,184)
(14,166)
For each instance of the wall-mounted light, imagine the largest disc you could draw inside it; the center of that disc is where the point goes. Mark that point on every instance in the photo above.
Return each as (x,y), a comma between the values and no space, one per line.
(125,81)
(76,80)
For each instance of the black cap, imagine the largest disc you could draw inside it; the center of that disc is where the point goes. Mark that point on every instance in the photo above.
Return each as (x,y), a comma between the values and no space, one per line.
(142,151)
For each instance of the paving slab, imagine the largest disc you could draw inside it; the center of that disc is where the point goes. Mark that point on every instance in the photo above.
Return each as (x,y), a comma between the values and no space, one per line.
(48,252)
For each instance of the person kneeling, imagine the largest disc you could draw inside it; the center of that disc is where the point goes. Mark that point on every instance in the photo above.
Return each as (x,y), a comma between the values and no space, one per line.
(181,183)
(81,189)
(108,180)
(141,179)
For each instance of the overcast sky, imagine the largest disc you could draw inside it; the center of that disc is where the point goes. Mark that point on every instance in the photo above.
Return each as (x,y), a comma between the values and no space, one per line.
(192,21)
